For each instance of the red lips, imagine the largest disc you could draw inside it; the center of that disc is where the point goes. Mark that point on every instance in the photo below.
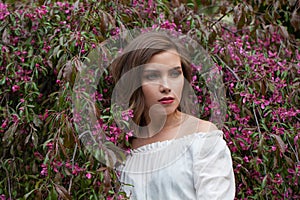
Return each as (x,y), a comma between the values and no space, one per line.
(166,100)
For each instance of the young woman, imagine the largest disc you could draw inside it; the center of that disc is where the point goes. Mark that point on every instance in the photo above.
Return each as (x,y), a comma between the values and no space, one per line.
(174,154)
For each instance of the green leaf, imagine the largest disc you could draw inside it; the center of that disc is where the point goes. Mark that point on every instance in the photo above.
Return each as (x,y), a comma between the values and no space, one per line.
(34,138)
(264,182)
(3,80)
(8,135)
(55,51)
(61,41)
(53,194)
(28,194)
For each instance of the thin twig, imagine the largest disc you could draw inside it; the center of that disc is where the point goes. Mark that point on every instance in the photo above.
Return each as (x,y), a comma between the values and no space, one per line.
(234,74)
(296,153)
(73,164)
(221,18)
(8,181)
(73,159)
(70,185)
(258,127)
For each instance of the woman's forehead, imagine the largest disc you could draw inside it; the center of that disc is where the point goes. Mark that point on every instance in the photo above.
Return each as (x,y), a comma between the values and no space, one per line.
(168,58)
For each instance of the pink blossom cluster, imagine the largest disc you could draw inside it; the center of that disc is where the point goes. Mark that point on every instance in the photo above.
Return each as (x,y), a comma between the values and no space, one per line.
(126,115)
(57,166)
(3,11)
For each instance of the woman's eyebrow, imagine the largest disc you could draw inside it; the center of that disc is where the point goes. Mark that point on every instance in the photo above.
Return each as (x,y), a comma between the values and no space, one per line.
(151,70)
(175,68)
(157,70)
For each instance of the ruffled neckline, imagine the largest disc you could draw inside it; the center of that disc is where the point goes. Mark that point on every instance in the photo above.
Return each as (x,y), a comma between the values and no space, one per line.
(156,146)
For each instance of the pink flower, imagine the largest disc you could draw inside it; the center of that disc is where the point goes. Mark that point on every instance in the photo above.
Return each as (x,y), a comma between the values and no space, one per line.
(3,11)
(88,175)
(55,169)
(271,54)
(76,169)
(15,118)
(68,165)
(4,124)
(291,171)
(60,4)
(38,155)
(126,115)
(2,197)
(15,88)
(44,171)
(296,139)
(129,134)
(278,179)
(49,145)
(258,161)
(4,49)
(41,11)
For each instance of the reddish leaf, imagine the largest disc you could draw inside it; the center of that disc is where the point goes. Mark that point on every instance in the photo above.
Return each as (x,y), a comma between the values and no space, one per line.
(284,32)
(62,192)
(289,161)
(5,37)
(67,71)
(279,143)
(295,20)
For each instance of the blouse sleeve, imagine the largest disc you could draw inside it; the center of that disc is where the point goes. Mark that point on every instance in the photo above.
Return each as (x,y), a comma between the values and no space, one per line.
(213,173)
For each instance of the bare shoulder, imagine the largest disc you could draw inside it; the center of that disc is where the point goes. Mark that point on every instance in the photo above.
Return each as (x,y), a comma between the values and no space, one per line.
(202,125)
(206,126)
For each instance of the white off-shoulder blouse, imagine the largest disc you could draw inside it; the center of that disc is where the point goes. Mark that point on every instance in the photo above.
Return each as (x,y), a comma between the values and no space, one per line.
(196,166)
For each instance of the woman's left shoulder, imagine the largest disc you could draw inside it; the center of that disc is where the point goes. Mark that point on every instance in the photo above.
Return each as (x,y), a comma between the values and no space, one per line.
(198,127)
(208,140)
(203,126)
(206,126)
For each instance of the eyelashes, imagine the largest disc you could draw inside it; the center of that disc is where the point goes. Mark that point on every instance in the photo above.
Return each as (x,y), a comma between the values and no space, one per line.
(152,75)
(175,73)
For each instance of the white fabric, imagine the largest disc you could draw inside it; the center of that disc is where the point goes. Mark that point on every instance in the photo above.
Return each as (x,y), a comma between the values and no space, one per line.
(197,166)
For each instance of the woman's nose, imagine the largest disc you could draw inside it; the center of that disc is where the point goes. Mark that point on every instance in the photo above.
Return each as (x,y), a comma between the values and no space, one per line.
(164,86)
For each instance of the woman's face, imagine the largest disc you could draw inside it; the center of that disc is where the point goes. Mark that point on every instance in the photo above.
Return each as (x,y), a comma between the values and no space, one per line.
(162,81)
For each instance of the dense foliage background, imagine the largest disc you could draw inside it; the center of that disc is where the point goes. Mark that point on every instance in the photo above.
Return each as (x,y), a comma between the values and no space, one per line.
(255,45)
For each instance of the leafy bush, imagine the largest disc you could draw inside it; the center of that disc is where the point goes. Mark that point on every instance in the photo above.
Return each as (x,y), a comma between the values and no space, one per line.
(255,45)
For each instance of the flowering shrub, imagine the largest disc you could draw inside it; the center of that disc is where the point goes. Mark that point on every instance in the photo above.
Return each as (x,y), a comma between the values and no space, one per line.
(262,126)
(41,155)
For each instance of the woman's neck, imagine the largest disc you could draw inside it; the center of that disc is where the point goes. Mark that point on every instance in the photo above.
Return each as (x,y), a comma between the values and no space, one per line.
(159,124)
(160,128)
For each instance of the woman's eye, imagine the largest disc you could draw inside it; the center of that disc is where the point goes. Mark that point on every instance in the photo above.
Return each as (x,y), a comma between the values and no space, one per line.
(151,76)
(175,73)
